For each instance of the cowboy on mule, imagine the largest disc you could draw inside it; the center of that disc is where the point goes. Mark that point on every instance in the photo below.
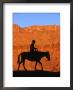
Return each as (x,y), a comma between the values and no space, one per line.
(33,55)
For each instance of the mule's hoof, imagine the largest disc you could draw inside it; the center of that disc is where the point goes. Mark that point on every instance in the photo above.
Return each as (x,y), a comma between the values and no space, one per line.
(25,69)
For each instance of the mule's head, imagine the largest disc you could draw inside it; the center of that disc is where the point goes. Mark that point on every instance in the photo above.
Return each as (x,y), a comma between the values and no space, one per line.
(47,55)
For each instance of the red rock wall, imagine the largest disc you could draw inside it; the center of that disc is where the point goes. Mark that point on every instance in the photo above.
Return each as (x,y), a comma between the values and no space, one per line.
(47,39)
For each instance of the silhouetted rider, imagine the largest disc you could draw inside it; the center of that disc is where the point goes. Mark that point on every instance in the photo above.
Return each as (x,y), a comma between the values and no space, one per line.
(32,47)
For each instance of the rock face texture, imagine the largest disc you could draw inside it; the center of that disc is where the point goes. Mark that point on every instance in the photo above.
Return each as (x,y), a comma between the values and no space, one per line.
(47,39)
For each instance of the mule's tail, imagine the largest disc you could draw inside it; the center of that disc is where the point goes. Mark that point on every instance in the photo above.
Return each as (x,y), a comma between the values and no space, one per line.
(19,59)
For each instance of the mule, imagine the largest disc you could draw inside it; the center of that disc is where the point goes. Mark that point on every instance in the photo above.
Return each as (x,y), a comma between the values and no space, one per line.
(32,56)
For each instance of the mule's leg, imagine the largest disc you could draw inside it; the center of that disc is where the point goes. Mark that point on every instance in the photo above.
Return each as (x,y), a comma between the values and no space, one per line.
(18,66)
(41,65)
(35,65)
(24,65)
